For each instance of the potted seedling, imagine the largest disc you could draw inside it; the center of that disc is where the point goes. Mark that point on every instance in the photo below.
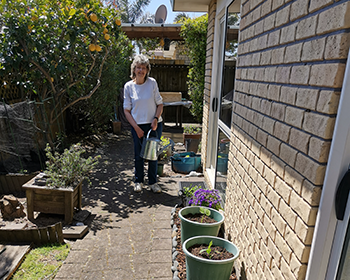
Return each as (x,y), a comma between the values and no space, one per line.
(191,137)
(58,189)
(209,258)
(203,202)
(164,156)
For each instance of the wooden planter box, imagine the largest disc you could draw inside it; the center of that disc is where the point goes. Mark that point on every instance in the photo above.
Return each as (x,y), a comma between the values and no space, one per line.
(52,201)
(191,141)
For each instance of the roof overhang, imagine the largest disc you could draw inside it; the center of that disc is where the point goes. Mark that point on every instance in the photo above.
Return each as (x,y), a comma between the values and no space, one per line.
(156,30)
(190,5)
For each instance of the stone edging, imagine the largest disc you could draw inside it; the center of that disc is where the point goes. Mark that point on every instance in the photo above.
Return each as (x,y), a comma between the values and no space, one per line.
(174,244)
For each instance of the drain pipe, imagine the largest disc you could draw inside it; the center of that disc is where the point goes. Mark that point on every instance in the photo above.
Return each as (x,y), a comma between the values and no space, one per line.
(321,264)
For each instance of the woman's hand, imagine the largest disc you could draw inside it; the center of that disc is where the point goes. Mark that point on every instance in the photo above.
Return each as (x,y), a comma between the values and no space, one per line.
(139,132)
(154,124)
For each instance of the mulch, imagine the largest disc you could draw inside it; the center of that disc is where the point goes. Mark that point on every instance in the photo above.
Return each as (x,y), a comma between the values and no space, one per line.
(181,258)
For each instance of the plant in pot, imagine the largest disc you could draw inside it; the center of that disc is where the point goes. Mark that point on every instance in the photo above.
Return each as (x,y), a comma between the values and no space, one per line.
(191,216)
(163,157)
(209,258)
(58,189)
(191,137)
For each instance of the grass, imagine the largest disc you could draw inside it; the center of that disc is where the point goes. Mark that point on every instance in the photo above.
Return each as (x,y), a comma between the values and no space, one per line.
(42,262)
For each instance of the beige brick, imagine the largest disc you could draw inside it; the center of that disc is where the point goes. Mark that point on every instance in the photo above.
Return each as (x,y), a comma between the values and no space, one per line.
(270,228)
(327,75)
(293,179)
(254,45)
(282,16)
(311,193)
(266,254)
(269,22)
(300,250)
(304,210)
(293,53)
(275,253)
(277,56)
(268,273)
(265,58)
(256,14)
(319,125)
(337,46)
(266,8)
(310,169)
(275,270)
(270,73)
(259,165)
(288,154)
(299,9)
(278,221)
(274,38)
(285,250)
(304,231)
(265,107)
(288,33)
(278,111)
(259,28)
(259,74)
(307,98)
(264,235)
(281,130)
(306,28)
(277,165)
(299,140)
(319,149)
(270,177)
(288,94)
(285,270)
(260,272)
(287,214)
(300,74)
(276,4)
(335,18)
(313,50)
(294,116)
(267,206)
(283,190)
(318,4)
(261,137)
(298,269)
(256,59)
(262,42)
(268,124)
(283,74)
(273,144)
(328,102)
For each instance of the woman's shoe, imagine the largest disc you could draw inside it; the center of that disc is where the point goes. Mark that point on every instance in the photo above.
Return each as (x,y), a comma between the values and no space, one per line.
(138,187)
(155,188)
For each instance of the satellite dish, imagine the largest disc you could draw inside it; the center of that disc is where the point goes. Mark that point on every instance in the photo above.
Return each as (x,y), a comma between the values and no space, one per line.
(161,14)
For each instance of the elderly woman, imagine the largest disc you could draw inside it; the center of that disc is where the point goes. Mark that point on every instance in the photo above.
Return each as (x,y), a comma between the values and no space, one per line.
(143,106)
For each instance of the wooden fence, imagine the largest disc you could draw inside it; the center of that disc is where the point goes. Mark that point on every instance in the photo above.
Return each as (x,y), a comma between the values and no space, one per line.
(43,235)
(12,183)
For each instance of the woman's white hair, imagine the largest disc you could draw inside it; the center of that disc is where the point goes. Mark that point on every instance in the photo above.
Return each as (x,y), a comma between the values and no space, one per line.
(143,60)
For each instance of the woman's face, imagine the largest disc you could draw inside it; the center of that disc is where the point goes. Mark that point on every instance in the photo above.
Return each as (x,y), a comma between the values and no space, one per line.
(140,71)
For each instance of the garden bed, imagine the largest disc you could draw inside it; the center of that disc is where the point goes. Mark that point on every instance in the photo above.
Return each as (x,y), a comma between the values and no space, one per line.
(179,258)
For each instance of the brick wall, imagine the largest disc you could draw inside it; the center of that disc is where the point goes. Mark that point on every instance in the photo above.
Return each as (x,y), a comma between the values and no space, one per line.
(291,61)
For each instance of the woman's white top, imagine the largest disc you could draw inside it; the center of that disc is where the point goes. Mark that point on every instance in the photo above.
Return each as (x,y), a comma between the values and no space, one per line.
(142,100)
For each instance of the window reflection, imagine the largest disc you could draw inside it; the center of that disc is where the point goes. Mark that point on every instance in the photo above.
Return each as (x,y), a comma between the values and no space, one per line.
(222,164)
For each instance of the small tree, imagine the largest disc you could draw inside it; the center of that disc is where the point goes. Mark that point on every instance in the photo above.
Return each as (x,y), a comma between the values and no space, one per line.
(194,32)
(57,49)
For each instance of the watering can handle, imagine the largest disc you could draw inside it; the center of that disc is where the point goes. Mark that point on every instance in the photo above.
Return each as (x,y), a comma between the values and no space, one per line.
(150,132)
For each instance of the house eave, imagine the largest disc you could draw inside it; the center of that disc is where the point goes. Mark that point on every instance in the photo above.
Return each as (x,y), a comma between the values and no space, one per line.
(190,6)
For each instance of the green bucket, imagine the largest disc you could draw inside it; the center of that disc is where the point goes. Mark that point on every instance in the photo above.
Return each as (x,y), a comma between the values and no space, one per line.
(205,269)
(190,228)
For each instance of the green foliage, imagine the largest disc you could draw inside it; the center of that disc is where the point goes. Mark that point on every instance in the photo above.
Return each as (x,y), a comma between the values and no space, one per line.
(208,250)
(189,191)
(204,211)
(42,262)
(47,49)
(164,141)
(194,32)
(131,12)
(191,129)
(66,170)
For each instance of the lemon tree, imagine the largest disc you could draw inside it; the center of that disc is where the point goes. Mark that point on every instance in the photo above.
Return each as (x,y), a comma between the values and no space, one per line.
(59,49)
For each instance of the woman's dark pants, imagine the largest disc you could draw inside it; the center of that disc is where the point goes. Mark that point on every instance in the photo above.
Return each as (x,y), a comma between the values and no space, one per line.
(139,161)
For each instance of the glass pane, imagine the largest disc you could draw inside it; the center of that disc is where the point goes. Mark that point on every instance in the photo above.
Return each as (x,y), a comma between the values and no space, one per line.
(229,67)
(221,165)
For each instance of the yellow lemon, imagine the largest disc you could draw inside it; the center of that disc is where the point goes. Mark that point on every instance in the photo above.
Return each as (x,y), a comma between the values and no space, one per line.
(51,79)
(107,36)
(93,17)
(187,156)
(105,31)
(118,22)
(98,48)
(92,47)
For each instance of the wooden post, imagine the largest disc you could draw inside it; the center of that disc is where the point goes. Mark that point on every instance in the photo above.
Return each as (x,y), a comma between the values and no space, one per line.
(68,207)
(30,206)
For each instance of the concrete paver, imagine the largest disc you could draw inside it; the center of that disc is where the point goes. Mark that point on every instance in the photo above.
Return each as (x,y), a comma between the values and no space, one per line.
(129,233)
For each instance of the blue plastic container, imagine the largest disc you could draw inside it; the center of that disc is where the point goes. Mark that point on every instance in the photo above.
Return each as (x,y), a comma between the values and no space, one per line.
(222,163)
(185,162)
